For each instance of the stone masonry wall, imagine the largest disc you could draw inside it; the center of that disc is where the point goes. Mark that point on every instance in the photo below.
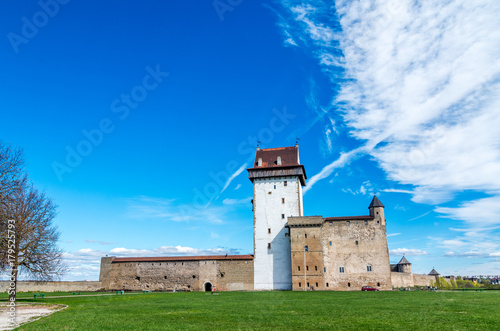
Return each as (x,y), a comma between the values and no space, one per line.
(39,286)
(356,246)
(179,275)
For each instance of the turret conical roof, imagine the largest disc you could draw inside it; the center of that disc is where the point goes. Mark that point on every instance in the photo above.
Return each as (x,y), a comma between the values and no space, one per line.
(434,273)
(404,261)
(376,203)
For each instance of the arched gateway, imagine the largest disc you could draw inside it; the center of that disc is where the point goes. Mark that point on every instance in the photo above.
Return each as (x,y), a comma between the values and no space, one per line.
(208,287)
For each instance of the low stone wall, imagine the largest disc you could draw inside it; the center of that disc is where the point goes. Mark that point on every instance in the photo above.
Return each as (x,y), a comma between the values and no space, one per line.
(402,279)
(423,280)
(34,286)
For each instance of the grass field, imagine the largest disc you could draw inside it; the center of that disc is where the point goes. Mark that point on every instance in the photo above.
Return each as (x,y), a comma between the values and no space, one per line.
(276,310)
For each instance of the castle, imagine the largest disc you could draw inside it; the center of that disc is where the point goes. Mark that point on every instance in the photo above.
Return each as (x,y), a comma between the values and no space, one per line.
(291,251)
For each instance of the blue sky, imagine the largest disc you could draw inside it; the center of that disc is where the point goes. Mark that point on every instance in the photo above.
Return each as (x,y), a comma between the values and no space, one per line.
(140,118)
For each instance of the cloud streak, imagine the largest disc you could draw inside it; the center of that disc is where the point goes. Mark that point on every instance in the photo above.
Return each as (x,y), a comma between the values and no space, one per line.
(417,83)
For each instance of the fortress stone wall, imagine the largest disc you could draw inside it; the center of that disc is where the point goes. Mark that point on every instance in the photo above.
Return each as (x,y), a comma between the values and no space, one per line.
(39,286)
(226,273)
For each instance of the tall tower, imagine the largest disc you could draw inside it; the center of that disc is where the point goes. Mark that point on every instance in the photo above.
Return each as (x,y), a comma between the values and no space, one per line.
(277,178)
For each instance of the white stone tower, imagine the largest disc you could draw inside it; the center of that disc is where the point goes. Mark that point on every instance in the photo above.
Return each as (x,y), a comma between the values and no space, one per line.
(277,178)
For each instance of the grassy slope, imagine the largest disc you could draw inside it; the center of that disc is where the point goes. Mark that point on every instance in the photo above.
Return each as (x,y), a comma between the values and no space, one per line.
(278,310)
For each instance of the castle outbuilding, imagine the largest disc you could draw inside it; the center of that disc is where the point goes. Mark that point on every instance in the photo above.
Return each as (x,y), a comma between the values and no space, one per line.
(291,251)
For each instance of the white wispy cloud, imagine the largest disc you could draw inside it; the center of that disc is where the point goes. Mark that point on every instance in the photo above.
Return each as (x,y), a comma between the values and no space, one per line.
(420,90)
(407,251)
(393,234)
(147,208)
(233,176)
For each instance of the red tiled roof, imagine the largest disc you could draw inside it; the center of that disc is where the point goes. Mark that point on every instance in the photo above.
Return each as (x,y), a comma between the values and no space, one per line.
(289,157)
(182,258)
(349,218)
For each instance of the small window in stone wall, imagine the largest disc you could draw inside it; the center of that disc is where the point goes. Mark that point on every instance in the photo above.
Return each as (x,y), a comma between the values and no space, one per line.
(369,268)
(269,230)
(326,284)
(282,216)
(307,269)
(165,277)
(282,200)
(316,268)
(222,275)
(268,245)
(300,284)
(348,284)
(316,284)
(378,284)
(341,270)
(307,284)
(299,267)
(285,183)
(138,278)
(275,187)
(330,243)
(324,269)
(356,242)
(194,276)
(305,235)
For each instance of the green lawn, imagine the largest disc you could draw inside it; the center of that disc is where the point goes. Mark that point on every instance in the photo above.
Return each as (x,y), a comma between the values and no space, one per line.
(277,310)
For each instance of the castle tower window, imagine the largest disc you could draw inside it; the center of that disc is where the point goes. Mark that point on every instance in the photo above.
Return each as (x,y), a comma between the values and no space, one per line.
(282,200)
(307,269)
(299,267)
(165,277)
(356,242)
(324,269)
(316,269)
(341,270)
(316,284)
(259,162)
(307,284)
(369,268)
(278,161)
(285,183)
(326,284)
(283,216)
(305,235)
(378,284)
(300,284)
(269,230)
(268,245)
(348,284)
